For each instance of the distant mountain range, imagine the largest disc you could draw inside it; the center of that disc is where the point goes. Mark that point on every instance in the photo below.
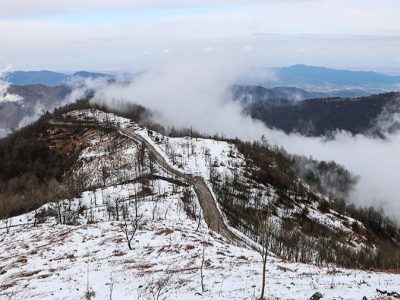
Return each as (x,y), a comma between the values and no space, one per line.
(342,83)
(322,79)
(302,74)
(47,78)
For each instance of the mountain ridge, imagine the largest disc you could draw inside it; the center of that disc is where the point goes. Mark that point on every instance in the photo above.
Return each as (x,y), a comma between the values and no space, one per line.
(323,116)
(301,74)
(261,93)
(48,78)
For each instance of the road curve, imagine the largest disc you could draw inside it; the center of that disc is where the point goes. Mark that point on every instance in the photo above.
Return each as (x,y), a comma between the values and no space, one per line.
(212,215)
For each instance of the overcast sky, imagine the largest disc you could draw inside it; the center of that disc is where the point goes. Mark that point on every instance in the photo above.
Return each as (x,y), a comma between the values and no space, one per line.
(122,35)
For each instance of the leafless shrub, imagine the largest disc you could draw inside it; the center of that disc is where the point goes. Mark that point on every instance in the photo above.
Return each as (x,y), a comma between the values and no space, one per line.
(157,288)
(129,228)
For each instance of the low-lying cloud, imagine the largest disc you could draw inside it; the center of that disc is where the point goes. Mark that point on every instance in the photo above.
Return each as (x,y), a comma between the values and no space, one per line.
(31,108)
(190,92)
(5,96)
(195,92)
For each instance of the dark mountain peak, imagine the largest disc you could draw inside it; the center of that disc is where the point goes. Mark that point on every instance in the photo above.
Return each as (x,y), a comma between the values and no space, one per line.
(44,77)
(86,74)
(303,67)
(301,75)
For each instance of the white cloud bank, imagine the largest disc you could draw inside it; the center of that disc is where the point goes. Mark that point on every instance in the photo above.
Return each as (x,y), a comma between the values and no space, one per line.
(5,96)
(194,92)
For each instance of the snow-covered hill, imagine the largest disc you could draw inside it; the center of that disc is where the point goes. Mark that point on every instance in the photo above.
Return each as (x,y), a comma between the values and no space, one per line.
(142,185)
(53,261)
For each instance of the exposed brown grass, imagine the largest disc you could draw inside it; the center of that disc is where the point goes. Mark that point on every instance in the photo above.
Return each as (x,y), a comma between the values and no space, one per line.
(164,231)
(21,260)
(6,286)
(243,257)
(26,274)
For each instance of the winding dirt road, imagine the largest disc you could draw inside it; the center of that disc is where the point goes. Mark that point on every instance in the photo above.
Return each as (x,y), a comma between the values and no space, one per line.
(212,215)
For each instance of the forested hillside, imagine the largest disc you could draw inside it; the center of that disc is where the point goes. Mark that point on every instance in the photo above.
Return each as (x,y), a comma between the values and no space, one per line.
(34,100)
(317,117)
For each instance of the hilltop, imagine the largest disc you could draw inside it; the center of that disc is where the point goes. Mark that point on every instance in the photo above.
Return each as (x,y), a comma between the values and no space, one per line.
(101,173)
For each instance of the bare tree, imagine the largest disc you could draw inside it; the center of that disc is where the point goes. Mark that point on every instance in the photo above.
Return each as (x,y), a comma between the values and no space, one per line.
(154,210)
(8,223)
(198,220)
(264,226)
(10,295)
(213,171)
(125,211)
(136,203)
(57,193)
(80,181)
(105,173)
(111,286)
(202,267)
(130,228)
(34,195)
(140,156)
(89,293)
(116,199)
(5,210)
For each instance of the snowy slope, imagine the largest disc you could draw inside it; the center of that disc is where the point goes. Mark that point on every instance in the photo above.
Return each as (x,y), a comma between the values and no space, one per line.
(201,156)
(59,262)
(53,261)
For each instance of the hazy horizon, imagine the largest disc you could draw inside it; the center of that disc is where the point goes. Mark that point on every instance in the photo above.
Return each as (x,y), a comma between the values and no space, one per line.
(117,72)
(131,35)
